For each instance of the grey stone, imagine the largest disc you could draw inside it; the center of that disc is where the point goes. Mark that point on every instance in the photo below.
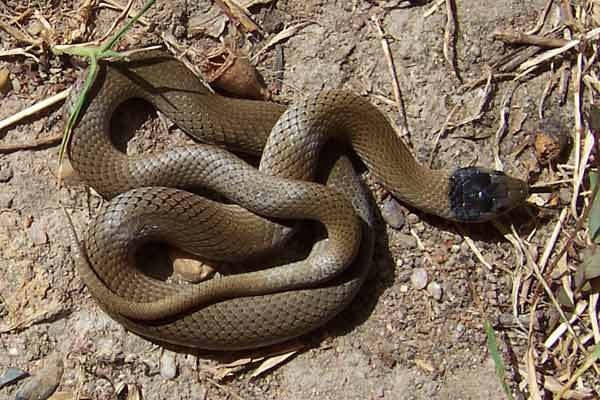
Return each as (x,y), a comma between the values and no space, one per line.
(435,290)
(419,278)
(37,233)
(44,382)
(168,365)
(405,241)
(391,211)
(6,172)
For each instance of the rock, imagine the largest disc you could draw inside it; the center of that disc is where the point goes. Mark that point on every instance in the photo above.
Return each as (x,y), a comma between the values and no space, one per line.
(189,268)
(6,199)
(412,218)
(391,211)
(459,331)
(168,365)
(37,233)
(405,241)
(435,290)
(419,278)
(44,382)
(6,172)
(5,84)
(11,376)
(404,275)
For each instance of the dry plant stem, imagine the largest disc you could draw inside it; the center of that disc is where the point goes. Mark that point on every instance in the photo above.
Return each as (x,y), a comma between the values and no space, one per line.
(46,141)
(433,8)
(563,86)
(542,19)
(593,316)
(440,133)
(535,40)
(37,107)
(551,243)
(395,85)
(450,37)
(577,135)
(115,6)
(117,21)
(534,389)
(512,61)
(547,89)
(503,128)
(550,54)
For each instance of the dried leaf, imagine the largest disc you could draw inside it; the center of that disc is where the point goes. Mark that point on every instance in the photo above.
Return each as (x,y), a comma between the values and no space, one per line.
(272,362)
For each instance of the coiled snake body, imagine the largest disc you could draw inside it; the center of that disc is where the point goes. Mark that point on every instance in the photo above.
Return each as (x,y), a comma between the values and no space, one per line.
(261,307)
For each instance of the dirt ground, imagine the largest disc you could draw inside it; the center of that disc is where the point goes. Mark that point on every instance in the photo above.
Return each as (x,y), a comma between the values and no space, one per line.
(397,340)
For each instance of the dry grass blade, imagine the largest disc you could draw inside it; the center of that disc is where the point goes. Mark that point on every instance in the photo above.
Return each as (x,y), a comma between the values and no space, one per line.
(395,85)
(450,37)
(550,54)
(589,361)
(34,109)
(281,36)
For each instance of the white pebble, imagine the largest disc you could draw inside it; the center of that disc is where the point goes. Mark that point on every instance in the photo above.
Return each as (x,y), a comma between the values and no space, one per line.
(419,278)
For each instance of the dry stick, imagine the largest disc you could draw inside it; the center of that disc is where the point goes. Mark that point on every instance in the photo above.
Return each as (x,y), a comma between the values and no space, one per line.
(450,37)
(514,60)
(563,85)
(395,85)
(117,21)
(535,40)
(547,89)
(433,8)
(37,107)
(440,133)
(46,141)
(504,115)
(542,19)
(579,169)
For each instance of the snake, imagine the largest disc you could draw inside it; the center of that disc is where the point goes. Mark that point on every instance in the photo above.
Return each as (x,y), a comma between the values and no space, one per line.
(209,199)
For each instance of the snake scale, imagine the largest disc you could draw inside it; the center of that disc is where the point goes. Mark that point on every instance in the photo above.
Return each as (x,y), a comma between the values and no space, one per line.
(149,203)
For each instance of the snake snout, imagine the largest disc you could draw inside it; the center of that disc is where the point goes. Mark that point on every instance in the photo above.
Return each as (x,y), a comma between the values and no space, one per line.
(479,194)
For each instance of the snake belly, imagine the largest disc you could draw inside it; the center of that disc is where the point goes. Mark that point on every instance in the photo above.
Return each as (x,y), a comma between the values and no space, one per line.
(262,307)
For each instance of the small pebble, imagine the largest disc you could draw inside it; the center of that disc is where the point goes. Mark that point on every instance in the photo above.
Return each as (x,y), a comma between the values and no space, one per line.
(404,275)
(419,278)
(189,268)
(5,85)
(44,382)
(37,233)
(168,365)
(403,289)
(459,331)
(380,391)
(565,195)
(11,376)
(405,241)
(391,211)
(435,290)
(412,219)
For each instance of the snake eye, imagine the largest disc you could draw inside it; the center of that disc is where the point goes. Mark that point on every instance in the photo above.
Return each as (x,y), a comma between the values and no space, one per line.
(477,194)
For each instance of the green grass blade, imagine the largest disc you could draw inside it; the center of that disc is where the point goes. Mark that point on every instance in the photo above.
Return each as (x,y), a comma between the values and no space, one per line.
(93,54)
(113,41)
(495,354)
(87,85)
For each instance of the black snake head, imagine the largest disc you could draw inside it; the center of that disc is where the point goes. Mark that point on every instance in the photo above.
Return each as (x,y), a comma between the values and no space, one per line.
(479,194)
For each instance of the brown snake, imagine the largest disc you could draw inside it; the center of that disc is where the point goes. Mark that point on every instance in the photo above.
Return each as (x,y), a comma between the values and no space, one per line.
(148,204)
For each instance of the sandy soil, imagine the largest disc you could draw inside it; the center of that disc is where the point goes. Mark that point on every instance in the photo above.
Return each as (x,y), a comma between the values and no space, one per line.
(394,341)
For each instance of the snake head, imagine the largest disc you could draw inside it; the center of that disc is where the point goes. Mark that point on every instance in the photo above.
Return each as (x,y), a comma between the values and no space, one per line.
(480,194)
